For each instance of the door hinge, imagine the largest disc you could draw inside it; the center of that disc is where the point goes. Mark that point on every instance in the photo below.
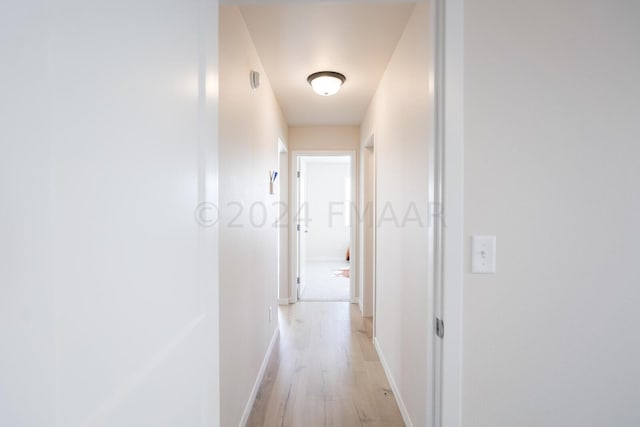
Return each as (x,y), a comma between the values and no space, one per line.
(298,280)
(298,174)
(439,327)
(297,227)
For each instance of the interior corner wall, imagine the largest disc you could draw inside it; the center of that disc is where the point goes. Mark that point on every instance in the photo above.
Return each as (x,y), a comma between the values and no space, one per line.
(250,124)
(399,117)
(551,168)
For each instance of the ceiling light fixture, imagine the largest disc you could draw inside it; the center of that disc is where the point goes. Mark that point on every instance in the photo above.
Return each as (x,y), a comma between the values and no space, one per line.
(326,83)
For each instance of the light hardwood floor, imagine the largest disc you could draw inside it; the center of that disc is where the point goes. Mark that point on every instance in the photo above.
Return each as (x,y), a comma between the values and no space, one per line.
(324,371)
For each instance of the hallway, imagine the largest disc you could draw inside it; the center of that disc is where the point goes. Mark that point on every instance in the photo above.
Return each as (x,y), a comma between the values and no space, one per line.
(324,371)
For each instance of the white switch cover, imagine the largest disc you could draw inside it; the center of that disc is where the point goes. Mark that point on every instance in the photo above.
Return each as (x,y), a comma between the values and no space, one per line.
(483,254)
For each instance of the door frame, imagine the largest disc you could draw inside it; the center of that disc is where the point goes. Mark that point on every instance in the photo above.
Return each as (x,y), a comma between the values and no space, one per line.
(446,199)
(282,191)
(293,215)
(368,145)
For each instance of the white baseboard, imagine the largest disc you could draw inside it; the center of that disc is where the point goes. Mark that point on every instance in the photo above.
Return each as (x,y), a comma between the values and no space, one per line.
(256,385)
(394,386)
(283,301)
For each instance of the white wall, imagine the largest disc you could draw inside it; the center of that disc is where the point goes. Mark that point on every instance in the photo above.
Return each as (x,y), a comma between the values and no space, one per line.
(250,124)
(551,169)
(108,296)
(27,329)
(399,117)
(328,236)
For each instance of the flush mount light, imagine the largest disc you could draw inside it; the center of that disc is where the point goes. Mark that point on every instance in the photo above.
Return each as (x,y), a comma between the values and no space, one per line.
(326,83)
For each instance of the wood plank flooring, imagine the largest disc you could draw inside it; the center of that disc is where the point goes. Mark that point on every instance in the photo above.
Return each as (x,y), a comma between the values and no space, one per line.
(324,371)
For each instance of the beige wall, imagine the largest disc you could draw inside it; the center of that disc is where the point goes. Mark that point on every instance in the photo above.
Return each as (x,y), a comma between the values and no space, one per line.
(398,117)
(250,124)
(552,169)
(327,138)
(324,138)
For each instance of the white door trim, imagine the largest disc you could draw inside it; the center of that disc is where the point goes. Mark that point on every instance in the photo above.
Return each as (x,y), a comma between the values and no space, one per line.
(293,261)
(367,144)
(448,27)
(283,231)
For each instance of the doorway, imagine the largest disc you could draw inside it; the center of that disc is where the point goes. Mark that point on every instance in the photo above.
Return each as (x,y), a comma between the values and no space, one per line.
(282,188)
(325,229)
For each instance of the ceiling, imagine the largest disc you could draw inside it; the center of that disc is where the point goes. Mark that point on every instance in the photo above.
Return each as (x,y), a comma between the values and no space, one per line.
(295,40)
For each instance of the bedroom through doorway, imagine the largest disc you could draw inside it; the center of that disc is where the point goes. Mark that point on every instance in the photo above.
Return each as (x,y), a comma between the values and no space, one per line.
(325,216)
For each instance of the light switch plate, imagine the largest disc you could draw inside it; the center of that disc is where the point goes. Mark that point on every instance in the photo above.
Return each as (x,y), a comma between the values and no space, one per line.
(483,254)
